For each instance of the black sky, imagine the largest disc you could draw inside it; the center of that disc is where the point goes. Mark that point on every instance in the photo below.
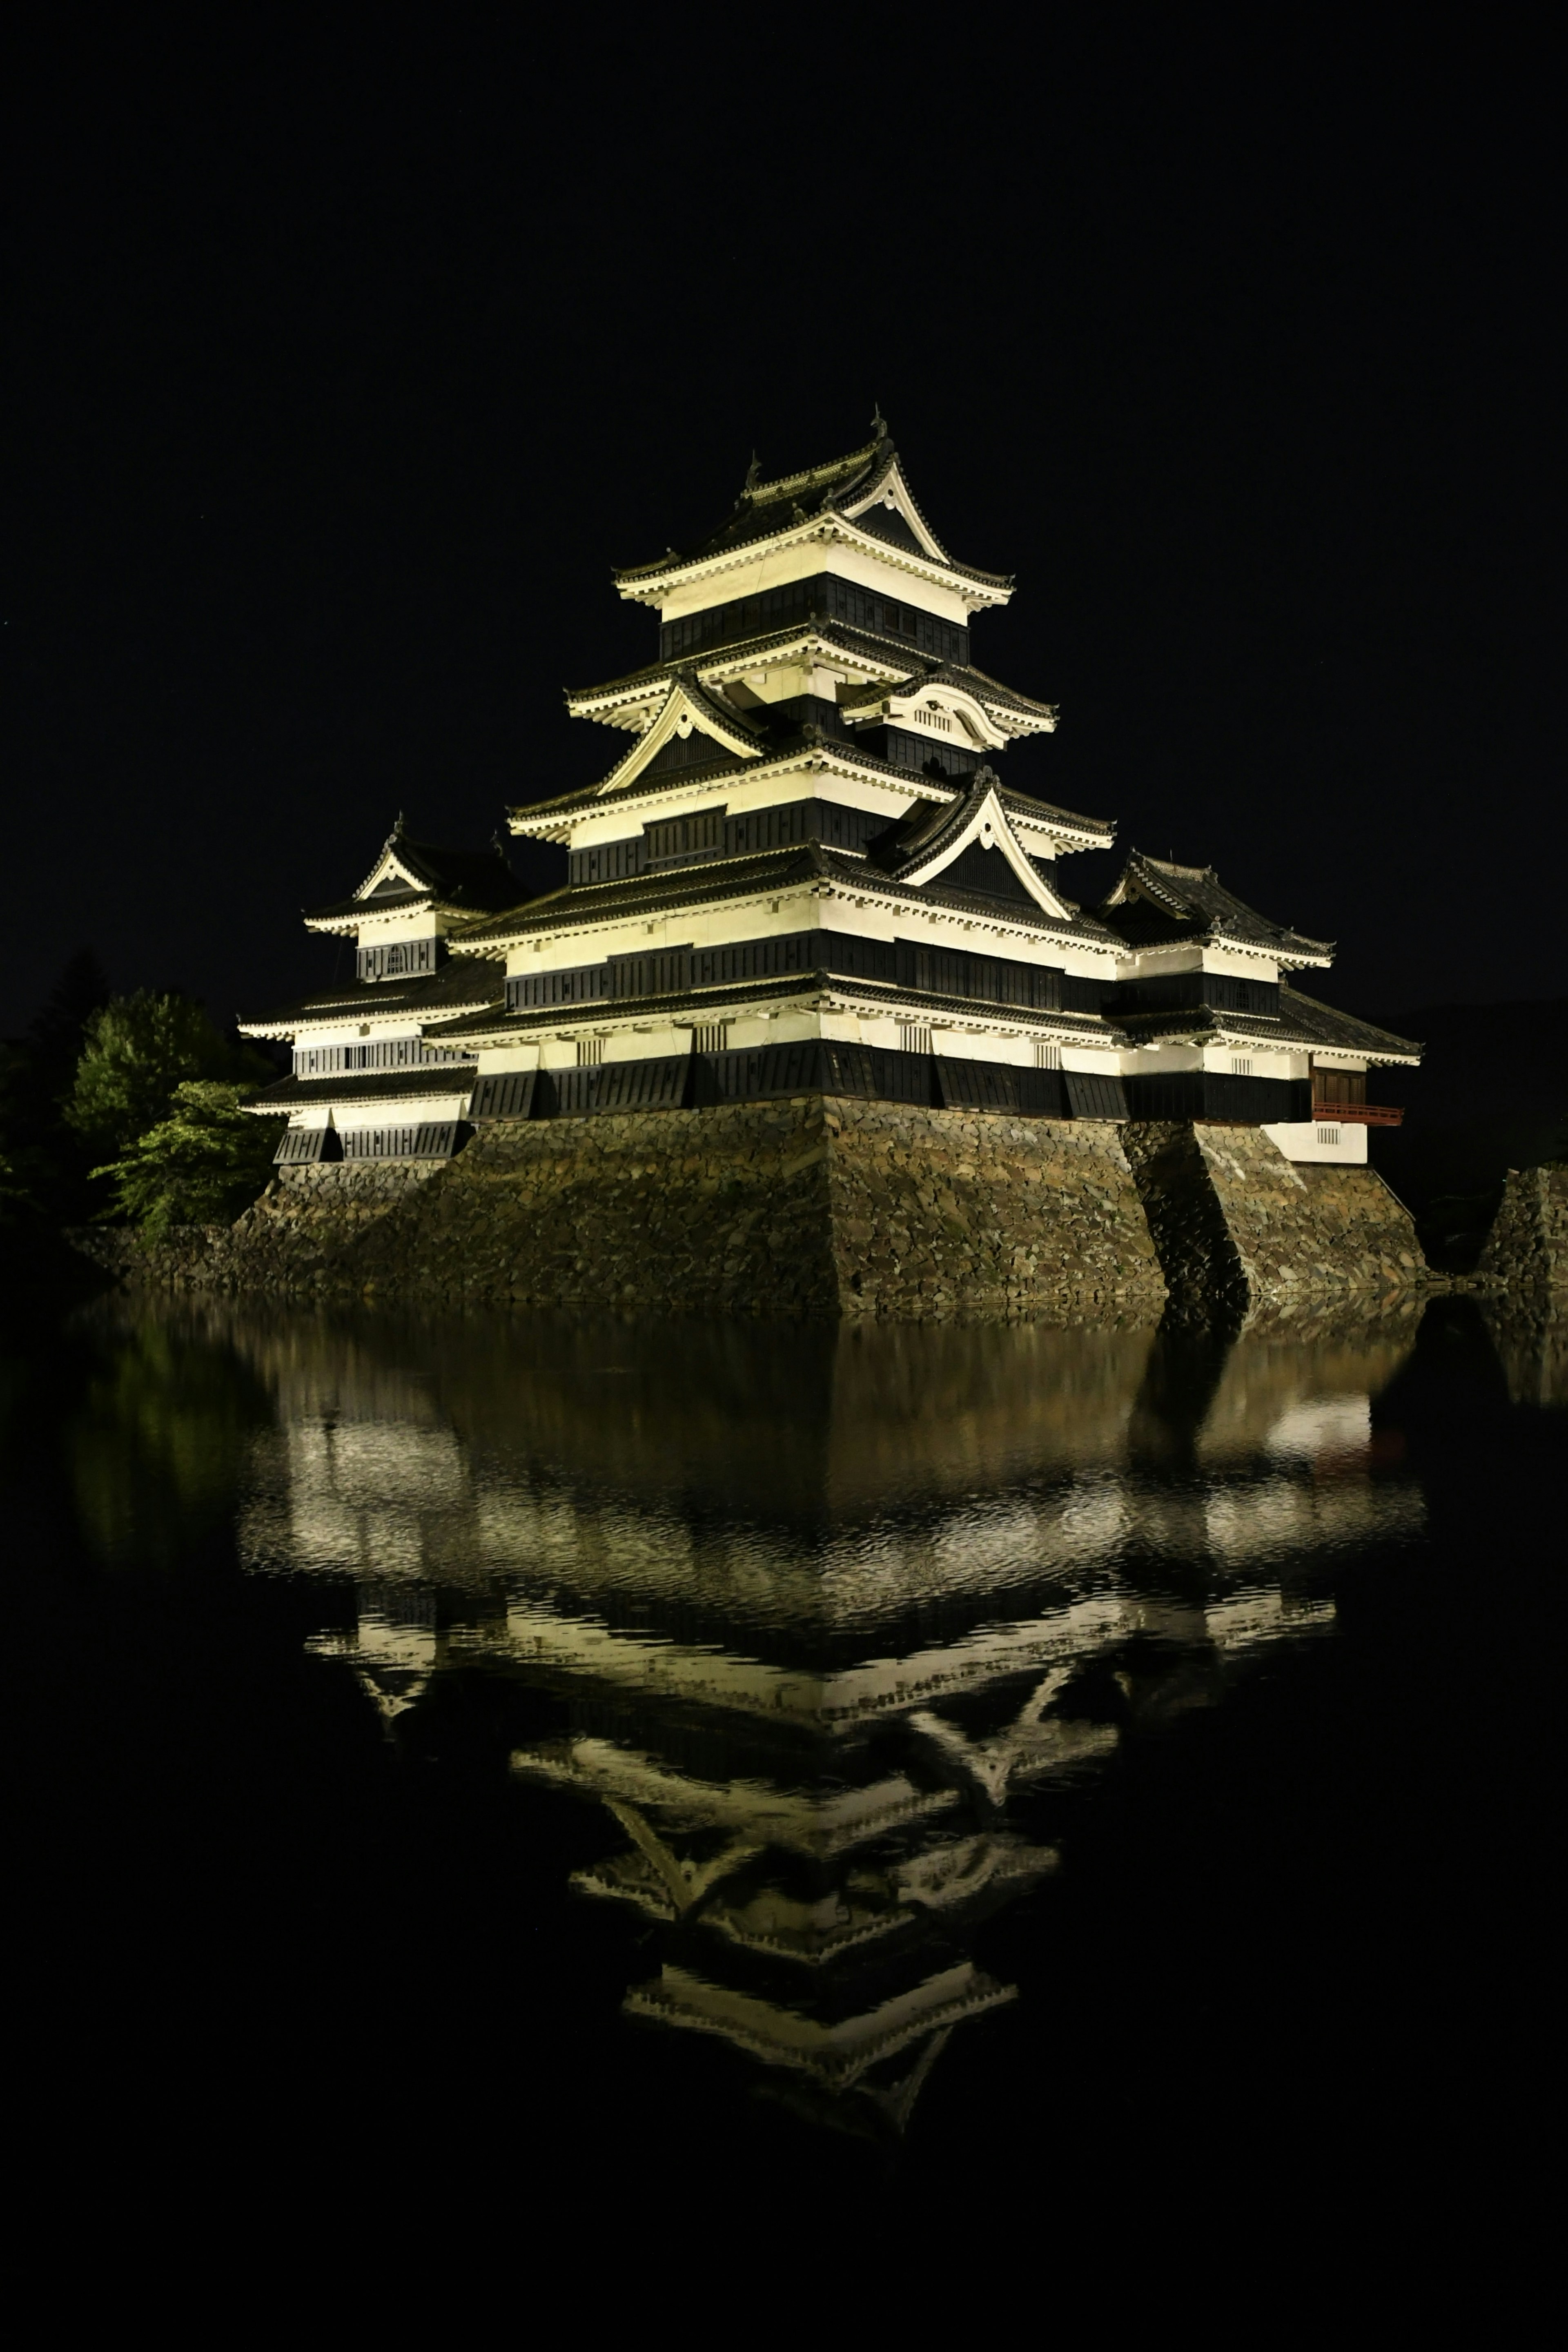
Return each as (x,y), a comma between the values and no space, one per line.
(340,371)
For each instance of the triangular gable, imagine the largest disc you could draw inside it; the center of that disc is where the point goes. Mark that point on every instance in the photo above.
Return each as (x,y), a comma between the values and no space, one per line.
(891,489)
(687,706)
(394,870)
(986,824)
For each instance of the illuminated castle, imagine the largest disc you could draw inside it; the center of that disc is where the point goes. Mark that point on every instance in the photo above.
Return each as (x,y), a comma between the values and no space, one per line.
(806,873)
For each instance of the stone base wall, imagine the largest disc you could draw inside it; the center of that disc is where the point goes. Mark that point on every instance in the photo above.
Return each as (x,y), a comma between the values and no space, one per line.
(816,1208)
(826,1208)
(1527,1248)
(1238,1225)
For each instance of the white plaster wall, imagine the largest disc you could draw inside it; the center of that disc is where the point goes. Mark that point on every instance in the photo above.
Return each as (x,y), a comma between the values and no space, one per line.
(400,1110)
(1222,1060)
(1303,1140)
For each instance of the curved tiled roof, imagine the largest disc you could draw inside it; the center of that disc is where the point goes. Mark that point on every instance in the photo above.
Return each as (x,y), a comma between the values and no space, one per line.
(463,979)
(1157,902)
(1301,1020)
(913,670)
(366,1085)
(673,890)
(1086,1028)
(766,509)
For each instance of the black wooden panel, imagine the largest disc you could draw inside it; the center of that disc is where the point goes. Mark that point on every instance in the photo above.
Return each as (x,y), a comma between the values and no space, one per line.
(658,1083)
(1091,1095)
(304,1147)
(1178,991)
(580,984)
(409,957)
(977,1086)
(827,597)
(607,861)
(672,840)
(1215,1096)
(427,1139)
(507,1094)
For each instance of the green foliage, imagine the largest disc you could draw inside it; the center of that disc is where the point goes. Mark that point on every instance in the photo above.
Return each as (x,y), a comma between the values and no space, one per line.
(136,1052)
(200,1166)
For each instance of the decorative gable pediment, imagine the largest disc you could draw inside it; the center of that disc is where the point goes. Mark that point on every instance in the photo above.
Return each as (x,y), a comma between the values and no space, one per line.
(890,496)
(393,872)
(980,822)
(686,708)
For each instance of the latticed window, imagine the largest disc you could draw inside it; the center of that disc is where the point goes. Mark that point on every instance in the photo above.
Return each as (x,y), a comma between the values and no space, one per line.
(1241,1066)
(914,1037)
(712,1037)
(1327,1135)
(590,1052)
(1047,1058)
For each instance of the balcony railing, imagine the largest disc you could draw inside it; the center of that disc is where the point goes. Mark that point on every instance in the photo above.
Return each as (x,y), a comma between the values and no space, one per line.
(1357,1114)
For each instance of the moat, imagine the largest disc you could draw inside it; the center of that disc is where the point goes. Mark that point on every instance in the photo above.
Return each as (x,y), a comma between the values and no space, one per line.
(740,1744)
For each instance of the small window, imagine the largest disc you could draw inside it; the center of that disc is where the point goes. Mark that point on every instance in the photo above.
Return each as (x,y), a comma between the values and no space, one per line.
(712,1037)
(1241,1066)
(589,1053)
(914,1037)
(1047,1058)
(1328,1134)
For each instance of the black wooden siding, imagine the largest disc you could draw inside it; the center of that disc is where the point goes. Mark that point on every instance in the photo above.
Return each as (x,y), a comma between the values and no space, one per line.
(406,960)
(662,844)
(826,598)
(814,1065)
(510,1094)
(389,1053)
(1179,992)
(307,1146)
(933,972)
(1213,1095)
(429,1139)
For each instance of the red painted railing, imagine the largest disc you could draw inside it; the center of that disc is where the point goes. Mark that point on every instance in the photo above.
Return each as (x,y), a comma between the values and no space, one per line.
(1349,1114)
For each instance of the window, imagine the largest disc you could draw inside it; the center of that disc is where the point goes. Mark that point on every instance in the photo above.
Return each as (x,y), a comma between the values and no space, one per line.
(712,1037)
(914,1037)
(1327,1135)
(1241,1066)
(590,1052)
(1047,1058)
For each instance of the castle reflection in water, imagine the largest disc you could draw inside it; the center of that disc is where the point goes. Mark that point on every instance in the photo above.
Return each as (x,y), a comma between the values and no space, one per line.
(822,1613)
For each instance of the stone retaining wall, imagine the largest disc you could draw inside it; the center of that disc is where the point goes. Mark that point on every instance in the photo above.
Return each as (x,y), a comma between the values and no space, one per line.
(1238,1225)
(1527,1248)
(816,1208)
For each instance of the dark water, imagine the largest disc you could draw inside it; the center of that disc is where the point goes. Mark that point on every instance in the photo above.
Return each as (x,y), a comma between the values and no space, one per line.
(1056,1765)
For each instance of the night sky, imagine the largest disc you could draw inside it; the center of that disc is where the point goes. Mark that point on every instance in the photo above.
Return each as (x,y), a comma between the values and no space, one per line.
(339,376)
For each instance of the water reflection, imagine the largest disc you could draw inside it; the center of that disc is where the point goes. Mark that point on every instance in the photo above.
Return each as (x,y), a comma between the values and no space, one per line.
(825,1619)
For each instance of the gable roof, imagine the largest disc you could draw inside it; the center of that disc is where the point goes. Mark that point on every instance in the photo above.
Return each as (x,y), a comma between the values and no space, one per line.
(922,849)
(1157,903)
(461,982)
(668,891)
(849,488)
(409,875)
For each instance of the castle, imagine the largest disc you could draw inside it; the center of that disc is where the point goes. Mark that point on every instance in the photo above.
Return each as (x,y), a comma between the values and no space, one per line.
(806,879)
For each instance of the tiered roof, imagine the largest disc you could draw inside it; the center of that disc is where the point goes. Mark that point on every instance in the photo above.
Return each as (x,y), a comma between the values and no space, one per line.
(418,877)
(766,873)
(1157,903)
(462,983)
(864,492)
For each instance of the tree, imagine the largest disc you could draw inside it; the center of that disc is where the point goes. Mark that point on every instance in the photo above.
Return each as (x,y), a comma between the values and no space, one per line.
(137,1051)
(200,1166)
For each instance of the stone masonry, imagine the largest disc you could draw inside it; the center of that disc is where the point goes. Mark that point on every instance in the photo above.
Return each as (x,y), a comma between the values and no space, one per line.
(818,1208)
(1238,1225)
(1527,1248)
(813,1208)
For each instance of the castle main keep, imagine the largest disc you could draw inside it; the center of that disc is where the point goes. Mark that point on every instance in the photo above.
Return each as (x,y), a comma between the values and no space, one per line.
(808,926)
